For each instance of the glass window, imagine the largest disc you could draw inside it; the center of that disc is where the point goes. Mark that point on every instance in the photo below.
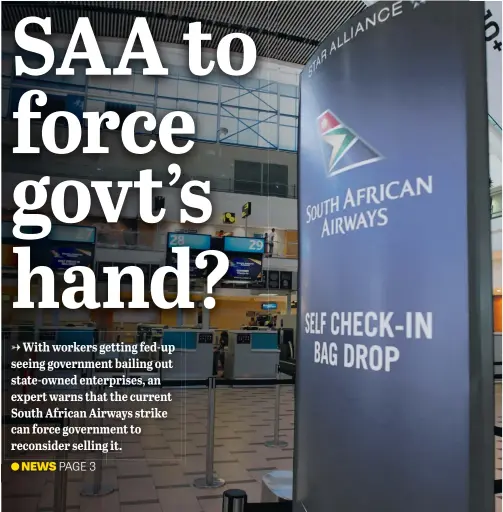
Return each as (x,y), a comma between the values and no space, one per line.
(208,93)
(268,101)
(248,99)
(231,124)
(122,109)
(247,136)
(247,177)
(268,135)
(206,127)
(230,95)
(167,87)
(288,105)
(187,89)
(55,103)
(287,138)
(276,180)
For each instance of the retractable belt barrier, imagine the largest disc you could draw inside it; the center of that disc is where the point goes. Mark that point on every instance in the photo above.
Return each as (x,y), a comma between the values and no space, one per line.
(253,382)
(183,383)
(276,442)
(235,499)
(211,480)
(97,489)
(224,383)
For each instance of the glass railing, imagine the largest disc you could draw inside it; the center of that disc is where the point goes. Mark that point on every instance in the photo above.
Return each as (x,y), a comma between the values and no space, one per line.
(255,188)
(145,241)
(496,203)
(130,240)
(288,250)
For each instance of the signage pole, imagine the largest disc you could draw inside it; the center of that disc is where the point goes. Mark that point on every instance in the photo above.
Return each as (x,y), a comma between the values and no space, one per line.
(375,335)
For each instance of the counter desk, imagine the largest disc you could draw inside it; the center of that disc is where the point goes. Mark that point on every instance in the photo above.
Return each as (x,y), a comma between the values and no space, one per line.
(14,335)
(193,355)
(252,355)
(65,335)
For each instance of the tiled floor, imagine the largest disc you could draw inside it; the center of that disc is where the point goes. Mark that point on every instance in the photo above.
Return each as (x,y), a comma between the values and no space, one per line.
(155,471)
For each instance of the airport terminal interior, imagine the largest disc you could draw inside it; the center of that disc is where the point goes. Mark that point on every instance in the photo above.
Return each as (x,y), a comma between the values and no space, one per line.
(246,145)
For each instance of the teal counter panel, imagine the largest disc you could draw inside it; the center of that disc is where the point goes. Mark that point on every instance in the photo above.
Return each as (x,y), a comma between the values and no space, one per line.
(181,340)
(264,340)
(68,335)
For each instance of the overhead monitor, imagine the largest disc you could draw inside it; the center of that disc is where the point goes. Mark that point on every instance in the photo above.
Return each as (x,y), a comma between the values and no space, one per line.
(244,245)
(197,243)
(193,241)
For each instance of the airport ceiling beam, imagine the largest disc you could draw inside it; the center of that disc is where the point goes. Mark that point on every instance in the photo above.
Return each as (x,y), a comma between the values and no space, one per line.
(44,8)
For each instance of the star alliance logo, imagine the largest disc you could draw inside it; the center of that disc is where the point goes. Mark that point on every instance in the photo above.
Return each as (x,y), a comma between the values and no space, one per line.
(347,149)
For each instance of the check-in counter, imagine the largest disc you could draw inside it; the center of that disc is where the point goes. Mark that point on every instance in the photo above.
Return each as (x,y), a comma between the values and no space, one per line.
(67,335)
(193,355)
(143,361)
(53,335)
(251,355)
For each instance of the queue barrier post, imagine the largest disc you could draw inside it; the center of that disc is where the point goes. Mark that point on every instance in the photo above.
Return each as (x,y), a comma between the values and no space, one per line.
(210,480)
(234,500)
(276,442)
(61,479)
(83,420)
(97,489)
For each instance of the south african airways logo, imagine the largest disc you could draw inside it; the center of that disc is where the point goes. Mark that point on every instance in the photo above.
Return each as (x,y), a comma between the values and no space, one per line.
(344,149)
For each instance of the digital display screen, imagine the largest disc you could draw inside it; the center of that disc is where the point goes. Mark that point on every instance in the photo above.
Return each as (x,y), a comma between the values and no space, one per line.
(197,242)
(268,306)
(195,273)
(244,268)
(67,257)
(243,244)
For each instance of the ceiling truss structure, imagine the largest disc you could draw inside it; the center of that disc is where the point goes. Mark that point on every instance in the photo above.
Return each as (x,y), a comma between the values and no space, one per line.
(288,31)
